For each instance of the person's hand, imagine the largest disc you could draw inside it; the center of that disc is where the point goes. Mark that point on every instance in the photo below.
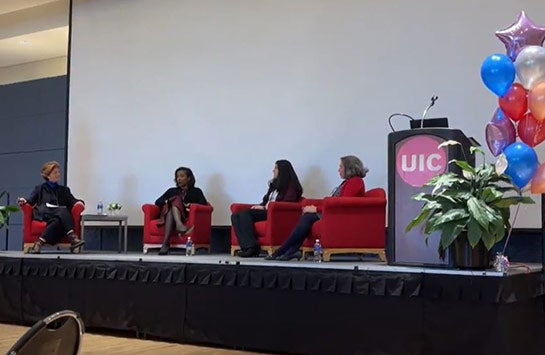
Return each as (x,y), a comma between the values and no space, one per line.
(257,207)
(21,201)
(310,209)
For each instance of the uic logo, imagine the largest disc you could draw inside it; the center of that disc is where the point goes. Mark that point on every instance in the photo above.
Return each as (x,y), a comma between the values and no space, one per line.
(419,159)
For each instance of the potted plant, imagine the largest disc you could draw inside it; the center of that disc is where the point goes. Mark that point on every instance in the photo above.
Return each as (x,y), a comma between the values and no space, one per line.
(114,208)
(4,213)
(470,210)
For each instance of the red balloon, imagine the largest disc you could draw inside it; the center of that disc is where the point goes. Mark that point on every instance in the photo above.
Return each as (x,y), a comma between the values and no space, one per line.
(515,103)
(531,131)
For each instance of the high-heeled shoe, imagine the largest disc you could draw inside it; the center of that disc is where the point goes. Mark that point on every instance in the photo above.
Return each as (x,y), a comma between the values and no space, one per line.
(185,231)
(76,244)
(36,248)
(163,251)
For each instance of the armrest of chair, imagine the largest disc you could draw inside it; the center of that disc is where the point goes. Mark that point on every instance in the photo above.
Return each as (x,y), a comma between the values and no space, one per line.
(200,216)
(236,207)
(76,212)
(281,220)
(27,219)
(151,212)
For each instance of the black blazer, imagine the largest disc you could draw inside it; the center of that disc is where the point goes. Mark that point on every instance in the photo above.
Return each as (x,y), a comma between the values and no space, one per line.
(42,194)
(193,195)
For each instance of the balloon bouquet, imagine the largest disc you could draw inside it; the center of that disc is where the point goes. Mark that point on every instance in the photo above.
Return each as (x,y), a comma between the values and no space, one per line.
(521,109)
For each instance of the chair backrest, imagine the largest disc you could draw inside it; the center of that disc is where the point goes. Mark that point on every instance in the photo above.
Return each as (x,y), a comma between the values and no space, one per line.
(58,334)
(376,192)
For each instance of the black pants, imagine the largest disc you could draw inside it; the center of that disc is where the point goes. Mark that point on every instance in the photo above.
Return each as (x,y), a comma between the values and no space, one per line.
(59,223)
(243,224)
(298,235)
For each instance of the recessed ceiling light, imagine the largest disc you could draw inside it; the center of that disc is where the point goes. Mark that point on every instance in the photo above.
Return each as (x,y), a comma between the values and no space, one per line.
(24,42)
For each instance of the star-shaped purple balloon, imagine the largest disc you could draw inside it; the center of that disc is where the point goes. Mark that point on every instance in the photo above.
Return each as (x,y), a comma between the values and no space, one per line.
(522,33)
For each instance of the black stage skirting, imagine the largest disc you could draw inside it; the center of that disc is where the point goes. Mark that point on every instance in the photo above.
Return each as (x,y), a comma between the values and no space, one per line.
(284,309)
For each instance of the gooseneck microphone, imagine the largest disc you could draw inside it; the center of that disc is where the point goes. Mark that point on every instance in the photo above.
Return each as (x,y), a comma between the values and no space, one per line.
(433,99)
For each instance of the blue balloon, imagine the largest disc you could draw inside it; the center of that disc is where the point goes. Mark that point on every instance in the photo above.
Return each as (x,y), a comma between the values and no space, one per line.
(498,73)
(521,163)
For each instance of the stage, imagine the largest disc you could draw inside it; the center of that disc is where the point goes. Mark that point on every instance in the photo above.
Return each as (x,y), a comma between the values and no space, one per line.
(342,307)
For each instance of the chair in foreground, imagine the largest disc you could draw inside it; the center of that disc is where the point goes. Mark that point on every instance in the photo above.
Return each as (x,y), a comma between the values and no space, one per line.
(200,217)
(350,225)
(58,334)
(33,229)
(281,219)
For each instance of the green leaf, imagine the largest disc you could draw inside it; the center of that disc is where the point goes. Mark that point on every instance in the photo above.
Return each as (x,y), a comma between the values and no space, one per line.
(474,232)
(488,240)
(465,166)
(490,194)
(452,215)
(478,212)
(509,201)
(417,220)
(449,232)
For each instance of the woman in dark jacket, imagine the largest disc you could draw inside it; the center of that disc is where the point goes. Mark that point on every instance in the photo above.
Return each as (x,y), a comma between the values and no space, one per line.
(174,204)
(53,204)
(284,186)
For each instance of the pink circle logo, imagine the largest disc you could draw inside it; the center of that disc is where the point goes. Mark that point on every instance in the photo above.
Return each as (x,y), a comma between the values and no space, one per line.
(418,160)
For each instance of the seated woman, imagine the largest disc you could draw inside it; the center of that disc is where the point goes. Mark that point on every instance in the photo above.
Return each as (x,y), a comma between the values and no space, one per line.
(174,204)
(284,186)
(352,171)
(53,204)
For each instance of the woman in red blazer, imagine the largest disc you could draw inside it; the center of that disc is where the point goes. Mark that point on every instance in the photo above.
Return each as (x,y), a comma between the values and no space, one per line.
(352,171)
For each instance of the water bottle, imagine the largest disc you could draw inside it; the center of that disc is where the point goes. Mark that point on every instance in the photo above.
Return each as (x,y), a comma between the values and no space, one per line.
(317,251)
(100,207)
(189,247)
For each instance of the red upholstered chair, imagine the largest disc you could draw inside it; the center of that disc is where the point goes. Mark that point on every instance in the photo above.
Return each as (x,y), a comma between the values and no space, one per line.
(200,216)
(350,225)
(33,229)
(281,219)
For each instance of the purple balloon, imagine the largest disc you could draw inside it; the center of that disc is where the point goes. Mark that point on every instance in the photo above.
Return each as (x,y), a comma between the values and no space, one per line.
(500,132)
(522,33)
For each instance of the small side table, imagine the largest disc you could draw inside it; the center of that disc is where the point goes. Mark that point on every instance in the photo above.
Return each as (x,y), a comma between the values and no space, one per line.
(122,227)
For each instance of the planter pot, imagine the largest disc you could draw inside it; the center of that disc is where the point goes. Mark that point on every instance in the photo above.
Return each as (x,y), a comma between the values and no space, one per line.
(465,257)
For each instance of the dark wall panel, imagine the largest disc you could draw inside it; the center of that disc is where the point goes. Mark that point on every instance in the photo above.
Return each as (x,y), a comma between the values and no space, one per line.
(32,131)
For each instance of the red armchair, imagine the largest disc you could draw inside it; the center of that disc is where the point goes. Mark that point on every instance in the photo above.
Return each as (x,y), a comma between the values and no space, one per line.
(200,216)
(350,225)
(33,229)
(281,219)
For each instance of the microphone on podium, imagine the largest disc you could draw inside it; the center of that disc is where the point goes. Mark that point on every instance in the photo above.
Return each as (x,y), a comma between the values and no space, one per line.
(433,99)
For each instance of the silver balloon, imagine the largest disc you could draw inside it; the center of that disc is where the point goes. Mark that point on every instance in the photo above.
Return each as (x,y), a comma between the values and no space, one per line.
(530,66)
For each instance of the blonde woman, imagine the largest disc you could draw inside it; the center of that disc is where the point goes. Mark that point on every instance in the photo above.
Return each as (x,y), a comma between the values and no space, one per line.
(52,204)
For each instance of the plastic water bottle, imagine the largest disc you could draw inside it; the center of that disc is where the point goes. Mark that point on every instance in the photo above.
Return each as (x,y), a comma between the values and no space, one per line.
(189,247)
(100,207)
(317,251)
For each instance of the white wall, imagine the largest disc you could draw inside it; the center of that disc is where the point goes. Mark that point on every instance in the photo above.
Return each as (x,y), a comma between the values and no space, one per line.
(228,87)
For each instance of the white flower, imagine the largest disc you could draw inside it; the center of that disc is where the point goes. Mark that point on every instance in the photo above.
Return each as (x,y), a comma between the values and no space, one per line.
(114,206)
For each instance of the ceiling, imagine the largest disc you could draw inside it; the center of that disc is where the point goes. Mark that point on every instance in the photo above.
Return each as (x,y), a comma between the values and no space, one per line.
(16,5)
(36,30)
